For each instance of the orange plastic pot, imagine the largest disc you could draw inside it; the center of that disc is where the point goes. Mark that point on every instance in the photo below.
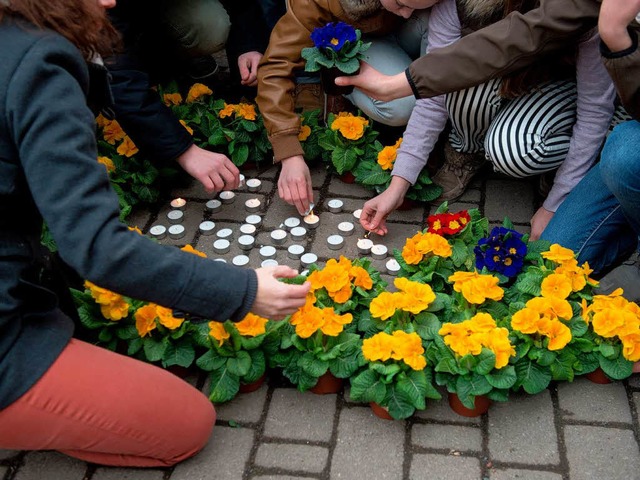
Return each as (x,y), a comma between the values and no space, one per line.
(481,403)
(380,412)
(327,384)
(598,376)
(253,386)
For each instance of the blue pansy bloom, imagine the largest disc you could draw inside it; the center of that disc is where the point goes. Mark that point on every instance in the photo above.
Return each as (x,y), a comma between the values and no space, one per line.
(503,251)
(333,35)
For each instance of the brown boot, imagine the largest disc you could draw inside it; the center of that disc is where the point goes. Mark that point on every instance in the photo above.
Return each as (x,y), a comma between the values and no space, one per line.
(456,173)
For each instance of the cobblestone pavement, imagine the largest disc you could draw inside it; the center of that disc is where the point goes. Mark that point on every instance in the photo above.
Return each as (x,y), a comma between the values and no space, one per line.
(576,430)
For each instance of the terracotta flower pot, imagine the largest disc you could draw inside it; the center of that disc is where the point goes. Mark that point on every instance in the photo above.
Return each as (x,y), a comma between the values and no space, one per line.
(482,404)
(379,411)
(253,386)
(598,376)
(327,383)
(347,177)
(327,77)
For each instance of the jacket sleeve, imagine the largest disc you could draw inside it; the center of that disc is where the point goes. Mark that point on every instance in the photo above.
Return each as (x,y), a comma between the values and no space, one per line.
(624,68)
(502,47)
(248,27)
(277,71)
(57,150)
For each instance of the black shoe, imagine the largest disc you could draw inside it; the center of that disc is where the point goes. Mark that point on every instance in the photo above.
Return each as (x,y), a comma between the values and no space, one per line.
(202,68)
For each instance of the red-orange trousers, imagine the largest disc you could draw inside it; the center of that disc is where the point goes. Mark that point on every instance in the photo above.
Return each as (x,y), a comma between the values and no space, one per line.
(109,409)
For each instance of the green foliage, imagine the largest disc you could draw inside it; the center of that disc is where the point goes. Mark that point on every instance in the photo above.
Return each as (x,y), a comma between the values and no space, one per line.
(347,59)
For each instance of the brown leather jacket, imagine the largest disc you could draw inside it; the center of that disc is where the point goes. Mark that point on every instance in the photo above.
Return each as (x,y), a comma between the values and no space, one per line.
(282,58)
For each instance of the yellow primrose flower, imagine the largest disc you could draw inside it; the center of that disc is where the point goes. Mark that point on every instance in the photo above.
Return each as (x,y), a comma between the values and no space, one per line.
(135,229)
(378,347)
(556,285)
(101,121)
(559,335)
(228,110)
(386,157)
(246,111)
(631,347)
(187,127)
(498,343)
(127,147)
(116,310)
(383,306)
(145,319)
(552,307)
(558,254)
(577,275)
(333,277)
(305,131)
(342,295)
(112,132)
(361,278)
(312,321)
(196,91)
(418,296)
(252,325)
(334,323)
(172,99)
(406,345)
(108,163)
(476,288)
(410,252)
(350,126)
(166,318)
(218,332)
(398,143)
(482,323)
(525,321)
(434,243)
(189,249)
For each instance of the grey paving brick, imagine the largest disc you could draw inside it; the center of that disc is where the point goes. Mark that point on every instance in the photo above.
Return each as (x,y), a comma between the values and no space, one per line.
(441,411)
(415,214)
(634,381)
(52,466)
(598,452)
(265,171)
(512,198)
(636,401)
(236,211)
(5,454)
(108,473)
(515,474)
(277,213)
(138,218)
(444,467)
(454,437)
(367,446)
(246,407)
(471,195)
(338,188)
(584,400)
(280,477)
(300,416)
(224,458)
(319,174)
(193,189)
(522,430)
(306,458)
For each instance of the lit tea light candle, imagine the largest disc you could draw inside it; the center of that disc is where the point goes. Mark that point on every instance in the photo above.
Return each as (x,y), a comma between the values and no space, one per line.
(178,203)
(254,185)
(227,197)
(176,232)
(346,228)
(357,214)
(247,229)
(255,220)
(294,252)
(312,221)
(225,234)
(379,252)
(252,205)
(241,179)
(308,259)
(267,252)
(175,216)
(364,246)
(158,232)
(335,242)
(206,227)
(335,205)
(214,205)
(240,260)
(246,242)
(221,246)
(393,267)
(269,262)
(278,237)
(291,223)
(298,233)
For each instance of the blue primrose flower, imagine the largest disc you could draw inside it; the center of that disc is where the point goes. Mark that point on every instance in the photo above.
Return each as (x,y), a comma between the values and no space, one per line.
(502,252)
(333,35)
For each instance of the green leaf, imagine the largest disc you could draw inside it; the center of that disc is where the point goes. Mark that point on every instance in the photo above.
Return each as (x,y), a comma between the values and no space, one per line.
(546,357)
(312,365)
(210,361)
(154,349)
(385,370)
(224,385)
(617,368)
(398,403)
(351,66)
(504,378)
(343,159)
(258,366)
(367,387)
(240,155)
(345,366)
(607,351)
(240,365)
(134,346)
(414,386)
(562,367)
(468,387)
(127,332)
(88,319)
(486,361)
(181,354)
(217,138)
(531,376)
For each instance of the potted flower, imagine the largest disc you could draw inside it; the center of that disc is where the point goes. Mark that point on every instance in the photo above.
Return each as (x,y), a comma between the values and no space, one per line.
(309,134)
(337,50)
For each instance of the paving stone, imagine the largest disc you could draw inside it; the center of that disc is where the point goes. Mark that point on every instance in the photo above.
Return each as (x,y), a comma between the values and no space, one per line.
(416,215)
(5,454)
(192,218)
(598,453)
(441,411)
(270,172)
(512,198)
(246,407)
(280,477)
(192,189)
(338,188)
(52,466)
(225,456)
(454,437)
(127,474)
(277,213)
(236,211)
(634,381)
(367,446)
(513,474)
(584,400)
(319,174)
(636,401)
(471,195)
(300,416)
(138,218)
(522,430)
(444,467)
(306,458)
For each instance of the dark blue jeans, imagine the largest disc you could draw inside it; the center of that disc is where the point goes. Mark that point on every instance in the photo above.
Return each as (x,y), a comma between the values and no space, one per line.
(600,219)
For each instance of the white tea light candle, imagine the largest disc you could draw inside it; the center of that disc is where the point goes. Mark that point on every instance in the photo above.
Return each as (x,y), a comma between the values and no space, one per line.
(335,242)
(307,259)
(379,252)
(291,222)
(254,185)
(294,252)
(247,229)
(357,214)
(221,246)
(206,227)
(175,216)
(213,206)
(178,203)
(240,260)
(393,267)
(176,232)
(158,232)
(254,220)
(225,233)
(227,197)
(311,221)
(346,228)
(267,252)
(220,260)
(246,242)
(269,262)
(278,237)
(335,205)
(364,246)
(252,205)
(298,233)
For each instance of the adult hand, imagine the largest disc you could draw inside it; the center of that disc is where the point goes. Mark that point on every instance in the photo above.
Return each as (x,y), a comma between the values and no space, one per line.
(248,66)
(539,222)
(275,299)
(376,210)
(214,170)
(615,16)
(294,183)
(377,85)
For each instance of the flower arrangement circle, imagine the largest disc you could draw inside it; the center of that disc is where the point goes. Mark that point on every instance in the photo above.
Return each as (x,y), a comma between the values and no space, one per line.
(336,45)
(502,252)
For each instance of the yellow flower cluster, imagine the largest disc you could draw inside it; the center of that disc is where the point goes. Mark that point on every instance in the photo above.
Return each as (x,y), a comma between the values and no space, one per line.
(305,131)
(242,110)
(218,332)
(309,319)
(108,163)
(147,315)
(422,244)
(350,126)
(112,132)
(387,156)
(252,325)
(568,267)
(614,316)
(475,287)
(127,147)
(196,91)
(413,297)
(172,99)
(112,305)
(397,346)
(479,331)
(543,315)
(339,278)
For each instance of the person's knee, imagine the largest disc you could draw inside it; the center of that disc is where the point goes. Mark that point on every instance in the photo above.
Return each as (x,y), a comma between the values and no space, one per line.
(203,29)
(395,113)
(197,428)
(620,161)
